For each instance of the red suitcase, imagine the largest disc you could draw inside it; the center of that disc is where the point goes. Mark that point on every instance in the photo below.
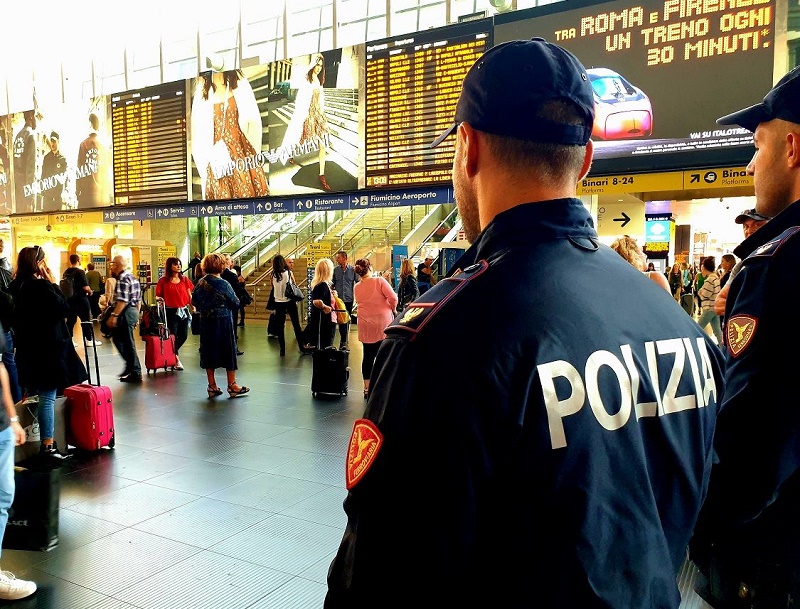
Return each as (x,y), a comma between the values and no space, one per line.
(91,417)
(159,352)
(90,412)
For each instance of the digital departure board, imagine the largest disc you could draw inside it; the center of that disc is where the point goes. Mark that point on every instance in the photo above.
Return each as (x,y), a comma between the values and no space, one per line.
(412,86)
(149,143)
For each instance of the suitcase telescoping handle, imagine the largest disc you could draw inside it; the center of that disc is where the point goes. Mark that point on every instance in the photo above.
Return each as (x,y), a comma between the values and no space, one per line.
(87,329)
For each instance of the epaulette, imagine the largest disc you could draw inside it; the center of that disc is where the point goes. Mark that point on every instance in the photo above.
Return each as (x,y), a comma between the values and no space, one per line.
(422,310)
(771,248)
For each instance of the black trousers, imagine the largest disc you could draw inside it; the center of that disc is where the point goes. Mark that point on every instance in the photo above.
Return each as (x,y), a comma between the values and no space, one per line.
(368,361)
(94,303)
(177,326)
(282,309)
(78,307)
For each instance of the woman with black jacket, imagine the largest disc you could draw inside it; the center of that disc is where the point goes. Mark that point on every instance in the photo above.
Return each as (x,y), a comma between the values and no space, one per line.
(407,289)
(46,359)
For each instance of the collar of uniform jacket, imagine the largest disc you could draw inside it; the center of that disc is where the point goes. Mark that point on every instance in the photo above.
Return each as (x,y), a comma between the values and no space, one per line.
(529,223)
(786,219)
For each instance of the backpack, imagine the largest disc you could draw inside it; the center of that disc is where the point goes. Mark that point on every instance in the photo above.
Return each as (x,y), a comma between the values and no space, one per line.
(342,316)
(67,284)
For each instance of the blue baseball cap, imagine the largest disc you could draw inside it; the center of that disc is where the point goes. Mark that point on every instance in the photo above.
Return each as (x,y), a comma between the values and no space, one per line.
(783,101)
(504,90)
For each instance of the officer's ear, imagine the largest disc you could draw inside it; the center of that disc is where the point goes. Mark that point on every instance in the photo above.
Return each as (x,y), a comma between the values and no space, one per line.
(587,160)
(468,147)
(793,148)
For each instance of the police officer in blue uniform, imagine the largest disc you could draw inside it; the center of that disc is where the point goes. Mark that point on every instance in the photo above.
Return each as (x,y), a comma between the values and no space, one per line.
(748,538)
(558,452)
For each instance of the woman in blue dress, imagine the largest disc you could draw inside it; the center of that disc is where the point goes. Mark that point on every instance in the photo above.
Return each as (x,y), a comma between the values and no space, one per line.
(214,298)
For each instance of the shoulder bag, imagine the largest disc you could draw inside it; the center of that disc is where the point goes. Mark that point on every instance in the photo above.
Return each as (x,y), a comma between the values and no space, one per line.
(293,293)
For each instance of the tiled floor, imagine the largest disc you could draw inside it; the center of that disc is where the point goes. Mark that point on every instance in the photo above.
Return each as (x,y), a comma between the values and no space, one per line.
(225,503)
(208,504)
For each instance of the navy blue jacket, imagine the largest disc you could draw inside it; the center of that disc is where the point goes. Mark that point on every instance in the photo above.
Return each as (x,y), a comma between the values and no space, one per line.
(754,494)
(556,454)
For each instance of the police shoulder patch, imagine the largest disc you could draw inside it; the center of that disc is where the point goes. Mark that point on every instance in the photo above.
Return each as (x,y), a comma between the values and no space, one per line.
(365,442)
(422,310)
(772,247)
(741,329)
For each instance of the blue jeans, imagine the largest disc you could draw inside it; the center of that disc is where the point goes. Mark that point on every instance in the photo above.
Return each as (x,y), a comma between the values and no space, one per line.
(11,367)
(46,412)
(6,477)
(709,317)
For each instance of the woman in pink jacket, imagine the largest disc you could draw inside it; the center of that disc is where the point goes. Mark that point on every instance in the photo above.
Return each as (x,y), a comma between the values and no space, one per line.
(376,308)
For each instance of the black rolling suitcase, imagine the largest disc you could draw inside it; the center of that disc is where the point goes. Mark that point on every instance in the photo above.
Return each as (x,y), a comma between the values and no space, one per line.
(330,370)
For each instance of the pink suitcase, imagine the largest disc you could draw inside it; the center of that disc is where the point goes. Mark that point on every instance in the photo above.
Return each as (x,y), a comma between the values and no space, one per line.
(91,417)
(90,409)
(159,352)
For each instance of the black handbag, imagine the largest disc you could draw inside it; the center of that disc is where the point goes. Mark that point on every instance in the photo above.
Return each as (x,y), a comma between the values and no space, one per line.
(195,323)
(33,517)
(104,317)
(293,293)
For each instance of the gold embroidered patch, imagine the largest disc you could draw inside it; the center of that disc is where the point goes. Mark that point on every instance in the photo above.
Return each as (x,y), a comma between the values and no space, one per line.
(411,314)
(741,330)
(365,442)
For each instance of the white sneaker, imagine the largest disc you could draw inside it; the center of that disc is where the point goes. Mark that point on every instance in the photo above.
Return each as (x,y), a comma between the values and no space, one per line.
(12,589)
(97,343)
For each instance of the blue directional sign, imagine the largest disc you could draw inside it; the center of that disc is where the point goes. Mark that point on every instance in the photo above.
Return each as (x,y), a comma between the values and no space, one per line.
(231,208)
(326,203)
(343,202)
(403,198)
(276,206)
(175,212)
(121,214)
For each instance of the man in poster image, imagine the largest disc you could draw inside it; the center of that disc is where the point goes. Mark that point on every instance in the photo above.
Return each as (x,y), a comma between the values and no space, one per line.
(25,164)
(92,184)
(54,176)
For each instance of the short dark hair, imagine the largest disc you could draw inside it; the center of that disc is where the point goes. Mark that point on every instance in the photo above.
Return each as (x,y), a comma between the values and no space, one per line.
(709,263)
(90,266)
(552,160)
(341,253)
(74,258)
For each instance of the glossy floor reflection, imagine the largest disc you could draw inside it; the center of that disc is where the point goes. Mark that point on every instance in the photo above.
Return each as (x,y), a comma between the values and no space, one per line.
(224,503)
(209,504)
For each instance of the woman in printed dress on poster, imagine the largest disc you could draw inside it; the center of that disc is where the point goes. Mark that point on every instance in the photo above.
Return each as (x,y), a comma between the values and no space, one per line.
(308,124)
(226,127)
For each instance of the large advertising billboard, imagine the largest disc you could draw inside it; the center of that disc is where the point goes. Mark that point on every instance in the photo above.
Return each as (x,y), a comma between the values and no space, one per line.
(56,157)
(316,123)
(289,127)
(662,71)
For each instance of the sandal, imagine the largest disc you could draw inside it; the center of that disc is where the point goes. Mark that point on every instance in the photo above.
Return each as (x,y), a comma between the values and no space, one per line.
(214,391)
(235,393)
